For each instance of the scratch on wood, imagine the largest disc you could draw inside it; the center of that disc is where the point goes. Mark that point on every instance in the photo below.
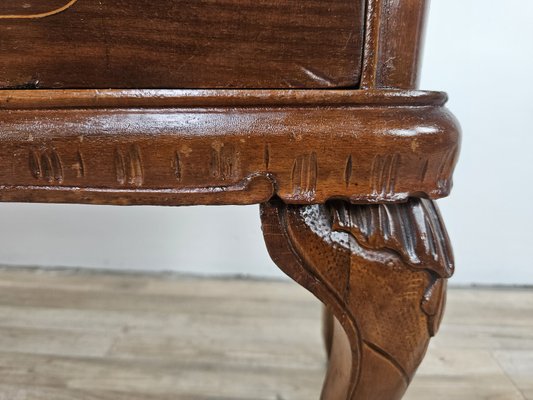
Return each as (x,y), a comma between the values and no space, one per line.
(317,77)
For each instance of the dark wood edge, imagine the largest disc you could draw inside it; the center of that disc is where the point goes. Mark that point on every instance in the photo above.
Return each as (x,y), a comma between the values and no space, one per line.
(392,47)
(205,98)
(174,150)
(253,189)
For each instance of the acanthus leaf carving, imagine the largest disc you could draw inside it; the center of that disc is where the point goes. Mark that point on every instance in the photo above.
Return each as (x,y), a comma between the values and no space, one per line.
(382,271)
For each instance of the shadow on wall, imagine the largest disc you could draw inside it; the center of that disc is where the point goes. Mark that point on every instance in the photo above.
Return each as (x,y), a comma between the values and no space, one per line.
(198,240)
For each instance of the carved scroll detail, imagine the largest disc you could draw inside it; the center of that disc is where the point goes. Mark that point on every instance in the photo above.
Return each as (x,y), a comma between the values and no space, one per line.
(381,270)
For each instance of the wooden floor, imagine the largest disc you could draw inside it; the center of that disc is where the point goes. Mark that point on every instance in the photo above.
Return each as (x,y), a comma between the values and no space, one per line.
(92,336)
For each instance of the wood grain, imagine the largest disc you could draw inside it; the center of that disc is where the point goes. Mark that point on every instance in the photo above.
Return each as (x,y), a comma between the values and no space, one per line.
(224,147)
(68,335)
(393,43)
(181,44)
(346,176)
(381,270)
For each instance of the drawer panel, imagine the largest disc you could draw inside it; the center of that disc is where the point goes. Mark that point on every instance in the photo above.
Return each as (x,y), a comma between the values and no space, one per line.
(180,43)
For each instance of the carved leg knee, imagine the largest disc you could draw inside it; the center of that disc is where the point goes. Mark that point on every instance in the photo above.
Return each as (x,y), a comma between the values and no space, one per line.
(381,270)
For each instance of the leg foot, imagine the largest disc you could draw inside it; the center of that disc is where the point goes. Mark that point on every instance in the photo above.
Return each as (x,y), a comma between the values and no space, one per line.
(381,271)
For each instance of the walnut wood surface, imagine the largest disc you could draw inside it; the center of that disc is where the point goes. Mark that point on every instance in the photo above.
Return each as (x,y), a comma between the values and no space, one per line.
(382,271)
(346,177)
(219,147)
(393,39)
(181,43)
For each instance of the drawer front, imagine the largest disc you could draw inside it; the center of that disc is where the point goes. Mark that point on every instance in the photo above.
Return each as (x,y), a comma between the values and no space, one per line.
(180,43)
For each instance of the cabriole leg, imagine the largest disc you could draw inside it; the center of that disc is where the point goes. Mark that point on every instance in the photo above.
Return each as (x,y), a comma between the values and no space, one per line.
(381,271)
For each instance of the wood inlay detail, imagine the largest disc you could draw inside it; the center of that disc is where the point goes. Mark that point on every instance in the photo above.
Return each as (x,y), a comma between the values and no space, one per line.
(41,14)
(180,43)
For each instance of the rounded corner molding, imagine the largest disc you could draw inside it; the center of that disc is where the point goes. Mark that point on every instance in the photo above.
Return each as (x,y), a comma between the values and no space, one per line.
(200,147)
(42,13)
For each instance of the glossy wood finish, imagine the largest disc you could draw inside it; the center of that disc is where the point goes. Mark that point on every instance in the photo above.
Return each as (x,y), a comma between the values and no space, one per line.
(225,147)
(381,270)
(393,41)
(181,43)
(347,177)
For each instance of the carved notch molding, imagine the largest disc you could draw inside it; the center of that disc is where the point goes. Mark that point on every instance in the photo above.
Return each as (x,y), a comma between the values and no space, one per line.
(225,147)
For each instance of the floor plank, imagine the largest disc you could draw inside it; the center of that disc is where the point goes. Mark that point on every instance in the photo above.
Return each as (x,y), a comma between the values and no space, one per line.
(100,336)
(518,365)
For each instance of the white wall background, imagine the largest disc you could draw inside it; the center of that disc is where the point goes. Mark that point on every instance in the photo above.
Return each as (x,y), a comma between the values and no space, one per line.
(479,51)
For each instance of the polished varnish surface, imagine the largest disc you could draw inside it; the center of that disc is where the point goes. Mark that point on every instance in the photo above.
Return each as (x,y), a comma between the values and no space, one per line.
(180,43)
(225,147)
(347,178)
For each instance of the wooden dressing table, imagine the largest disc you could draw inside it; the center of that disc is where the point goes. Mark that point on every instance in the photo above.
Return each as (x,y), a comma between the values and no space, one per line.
(309,108)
